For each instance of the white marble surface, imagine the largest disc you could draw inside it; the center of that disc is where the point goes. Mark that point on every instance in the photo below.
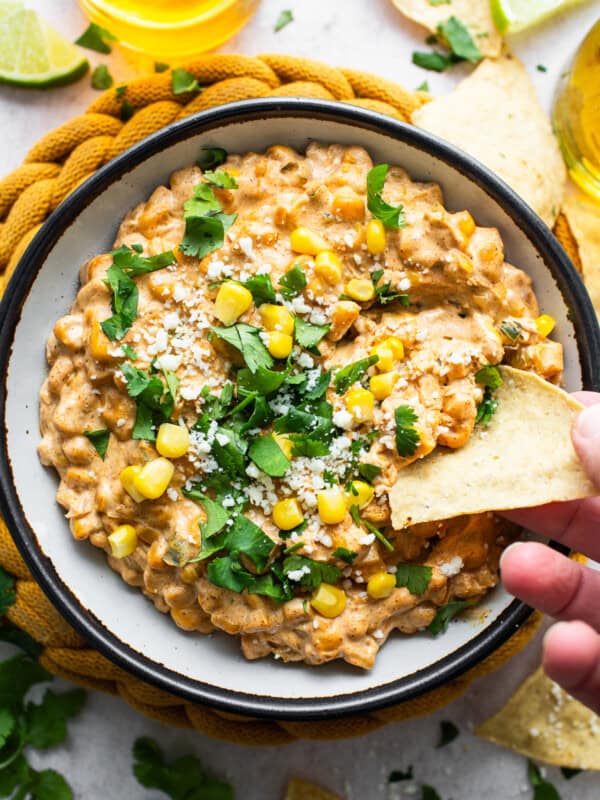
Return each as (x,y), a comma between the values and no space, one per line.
(371,35)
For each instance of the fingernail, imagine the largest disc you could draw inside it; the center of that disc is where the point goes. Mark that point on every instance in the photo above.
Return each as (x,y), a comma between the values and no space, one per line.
(587,424)
(513,546)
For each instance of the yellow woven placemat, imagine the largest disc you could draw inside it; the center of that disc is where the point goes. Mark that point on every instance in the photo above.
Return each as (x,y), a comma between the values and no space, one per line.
(58,163)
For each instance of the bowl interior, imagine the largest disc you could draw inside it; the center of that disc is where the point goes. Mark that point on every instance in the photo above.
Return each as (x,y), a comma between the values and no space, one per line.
(118,618)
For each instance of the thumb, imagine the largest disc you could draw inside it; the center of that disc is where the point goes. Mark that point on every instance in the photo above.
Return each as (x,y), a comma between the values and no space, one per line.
(586,440)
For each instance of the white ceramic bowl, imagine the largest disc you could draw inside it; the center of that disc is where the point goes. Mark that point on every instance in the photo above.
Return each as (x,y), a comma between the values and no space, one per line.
(117,619)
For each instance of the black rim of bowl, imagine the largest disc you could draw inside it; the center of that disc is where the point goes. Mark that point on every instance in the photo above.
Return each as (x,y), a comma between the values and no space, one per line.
(360,702)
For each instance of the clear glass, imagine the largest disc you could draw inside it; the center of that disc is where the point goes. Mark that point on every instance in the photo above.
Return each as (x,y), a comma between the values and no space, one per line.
(577,115)
(170,30)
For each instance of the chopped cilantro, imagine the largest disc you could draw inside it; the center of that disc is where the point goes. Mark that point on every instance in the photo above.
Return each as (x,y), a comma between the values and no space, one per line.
(127,111)
(542,790)
(246,339)
(96,38)
(460,42)
(293,282)
(216,515)
(129,352)
(99,440)
(160,66)
(183,81)
(398,775)
(355,514)
(445,614)
(221,179)
(101,78)
(423,87)
(314,572)
(346,555)
(320,387)
(304,445)
(436,62)
(384,294)
(283,19)
(205,222)
(309,335)
(391,216)
(541,68)
(448,733)
(211,157)
(268,456)
(407,436)
(7,591)
(120,90)
(569,772)
(368,472)
(261,288)
(414,577)
(155,401)
(348,375)
(185,777)
(490,378)
(511,329)
(429,793)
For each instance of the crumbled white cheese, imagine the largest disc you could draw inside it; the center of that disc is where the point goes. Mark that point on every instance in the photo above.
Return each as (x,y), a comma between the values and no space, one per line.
(452,567)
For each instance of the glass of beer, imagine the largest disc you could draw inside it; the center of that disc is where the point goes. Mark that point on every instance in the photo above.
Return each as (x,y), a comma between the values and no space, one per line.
(577,115)
(170,30)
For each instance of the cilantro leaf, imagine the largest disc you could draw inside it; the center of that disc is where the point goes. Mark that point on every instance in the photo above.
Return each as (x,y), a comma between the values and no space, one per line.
(292,282)
(129,352)
(569,772)
(261,288)
(8,723)
(368,472)
(436,62)
(127,111)
(429,793)
(182,779)
(262,380)
(48,785)
(346,555)
(99,440)
(307,447)
(320,387)
(268,456)
(155,401)
(95,38)
(246,339)
(407,436)
(459,40)
(204,235)
(183,81)
(377,533)
(542,789)
(448,733)
(211,157)
(490,378)
(445,614)
(17,675)
(101,78)
(161,66)
(10,633)
(283,19)
(216,515)
(391,216)
(423,87)
(308,335)
(401,775)
(511,329)
(221,179)
(226,573)
(345,377)
(385,294)
(313,572)
(46,722)
(7,591)
(415,577)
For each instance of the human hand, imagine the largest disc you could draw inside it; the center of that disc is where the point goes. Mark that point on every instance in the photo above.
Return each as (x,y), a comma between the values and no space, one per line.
(558,586)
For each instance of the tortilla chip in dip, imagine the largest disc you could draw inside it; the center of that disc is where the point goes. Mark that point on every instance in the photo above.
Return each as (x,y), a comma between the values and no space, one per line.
(301,790)
(583,215)
(543,722)
(523,458)
(502,123)
(475,14)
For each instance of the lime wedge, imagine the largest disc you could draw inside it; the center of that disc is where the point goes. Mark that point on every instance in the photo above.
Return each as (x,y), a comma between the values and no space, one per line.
(511,16)
(32,54)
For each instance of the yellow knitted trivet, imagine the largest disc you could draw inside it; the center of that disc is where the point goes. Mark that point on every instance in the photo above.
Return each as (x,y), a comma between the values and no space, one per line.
(58,163)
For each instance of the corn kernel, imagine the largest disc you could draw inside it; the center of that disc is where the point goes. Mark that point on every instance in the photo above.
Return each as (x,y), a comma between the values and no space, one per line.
(360,289)
(287,514)
(383,385)
(277,318)
(279,344)
(375,237)
(328,600)
(331,504)
(285,443)
(361,404)
(172,441)
(385,354)
(381,585)
(123,541)
(127,478)
(545,324)
(465,263)
(360,493)
(466,224)
(99,343)
(231,302)
(153,478)
(307,242)
(189,573)
(348,205)
(328,267)
(396,346)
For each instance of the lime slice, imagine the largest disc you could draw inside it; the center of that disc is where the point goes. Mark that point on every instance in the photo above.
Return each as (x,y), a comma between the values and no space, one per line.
(511,16)
(33,54)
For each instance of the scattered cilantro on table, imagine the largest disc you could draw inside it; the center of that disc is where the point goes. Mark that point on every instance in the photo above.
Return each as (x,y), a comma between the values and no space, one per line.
(542,789)
(456,36)
(183,81)
(398,775)
(448,733)
(161,66)
(96,38)
(101,78)
(284,19)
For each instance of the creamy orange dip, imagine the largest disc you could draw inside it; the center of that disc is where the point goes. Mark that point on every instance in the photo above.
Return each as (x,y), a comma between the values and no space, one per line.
(238,384)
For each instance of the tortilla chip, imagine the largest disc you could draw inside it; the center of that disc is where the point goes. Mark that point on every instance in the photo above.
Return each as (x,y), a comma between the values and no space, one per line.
(502,123)
(583,215)
(475,14)
(524,457)
(543,722)
(301,790)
